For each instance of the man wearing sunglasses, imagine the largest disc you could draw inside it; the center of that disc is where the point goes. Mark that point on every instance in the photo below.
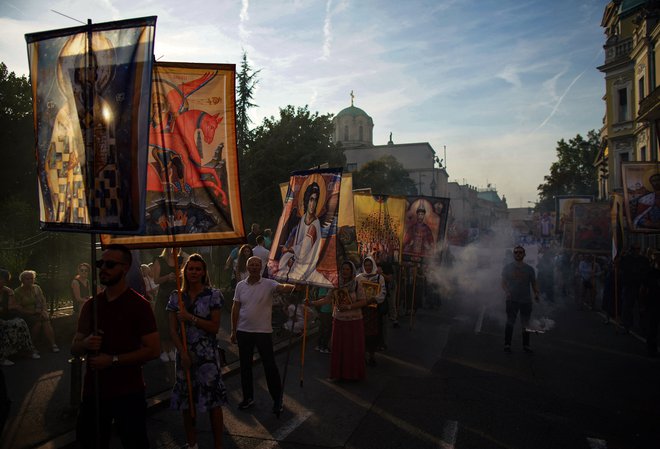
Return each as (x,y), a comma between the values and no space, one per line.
(517,278)
(124,338)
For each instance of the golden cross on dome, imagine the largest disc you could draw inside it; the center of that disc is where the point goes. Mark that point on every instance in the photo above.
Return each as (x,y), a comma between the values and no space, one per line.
(352,98)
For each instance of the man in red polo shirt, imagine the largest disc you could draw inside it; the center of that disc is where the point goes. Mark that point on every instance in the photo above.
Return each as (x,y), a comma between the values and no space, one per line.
(125,338)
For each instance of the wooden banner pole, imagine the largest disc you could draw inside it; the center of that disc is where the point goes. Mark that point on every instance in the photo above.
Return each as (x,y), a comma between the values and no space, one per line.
(182,326)
(304,340)
(412,300)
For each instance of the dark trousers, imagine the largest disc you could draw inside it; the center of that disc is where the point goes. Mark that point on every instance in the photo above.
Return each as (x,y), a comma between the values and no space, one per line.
(653,314)
(512,310)
(630,297)
(264,344)
(129,414)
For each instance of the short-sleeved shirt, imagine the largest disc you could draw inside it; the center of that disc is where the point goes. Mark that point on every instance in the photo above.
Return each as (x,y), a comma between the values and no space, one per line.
(256,302)
(519,278)
(207,301)
(123,322)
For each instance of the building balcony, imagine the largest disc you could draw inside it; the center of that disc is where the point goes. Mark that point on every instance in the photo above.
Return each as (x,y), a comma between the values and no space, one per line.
(617,52)
(649,107)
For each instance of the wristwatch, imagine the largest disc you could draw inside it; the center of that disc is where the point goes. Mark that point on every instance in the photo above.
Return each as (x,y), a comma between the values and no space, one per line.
(115,360)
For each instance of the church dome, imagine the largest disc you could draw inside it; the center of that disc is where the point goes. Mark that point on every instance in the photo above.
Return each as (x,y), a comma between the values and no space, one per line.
(353,127)
(352,111)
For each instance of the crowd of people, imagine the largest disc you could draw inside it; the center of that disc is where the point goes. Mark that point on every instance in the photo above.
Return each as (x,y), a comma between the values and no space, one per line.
(625,290)
(125,323)
(176,317)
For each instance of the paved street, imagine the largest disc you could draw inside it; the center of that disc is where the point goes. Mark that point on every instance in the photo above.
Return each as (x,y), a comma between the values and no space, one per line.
(444,384)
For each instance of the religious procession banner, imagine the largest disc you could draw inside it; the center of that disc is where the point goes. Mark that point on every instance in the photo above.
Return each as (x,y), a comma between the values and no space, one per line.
(641,192)
(347,247)
(564,208)
(617,223)
(193,195)
(379,226)
(90,92)
(425,228)
(567,238)
(591,228)
(305,244)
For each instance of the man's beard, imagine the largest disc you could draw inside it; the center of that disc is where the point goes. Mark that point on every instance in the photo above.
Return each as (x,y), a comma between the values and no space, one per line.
(111,280)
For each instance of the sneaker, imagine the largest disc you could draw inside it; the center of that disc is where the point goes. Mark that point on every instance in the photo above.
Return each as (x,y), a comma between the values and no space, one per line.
(246,403)
(172,355)
(507,348)
(324,351)
(36,355)
(164,356)
(6,362)
(527,349)
(278,407)
(56,348)
(318,348)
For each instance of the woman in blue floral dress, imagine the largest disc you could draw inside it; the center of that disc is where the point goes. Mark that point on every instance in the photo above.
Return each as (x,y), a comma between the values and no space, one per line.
(201,317)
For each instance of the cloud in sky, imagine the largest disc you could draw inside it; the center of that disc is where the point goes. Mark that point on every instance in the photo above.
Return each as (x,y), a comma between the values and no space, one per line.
(497,82)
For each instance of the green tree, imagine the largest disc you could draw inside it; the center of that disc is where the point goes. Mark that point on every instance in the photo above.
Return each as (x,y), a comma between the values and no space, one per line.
(573,173)
(18,182)
(385,176)
(18,171)
(246,81)
(296,140)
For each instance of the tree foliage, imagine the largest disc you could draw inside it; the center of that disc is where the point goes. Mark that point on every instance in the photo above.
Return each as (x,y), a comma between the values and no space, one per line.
(246,81)
(296,140)
(17,173)
(573,173)
(384,176)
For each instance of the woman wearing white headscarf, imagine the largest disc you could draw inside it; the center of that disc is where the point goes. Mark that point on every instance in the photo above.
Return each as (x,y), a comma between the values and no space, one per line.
(372,327)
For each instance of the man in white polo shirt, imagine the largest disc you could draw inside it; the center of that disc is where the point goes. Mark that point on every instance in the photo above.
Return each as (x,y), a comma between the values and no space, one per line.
(251,326)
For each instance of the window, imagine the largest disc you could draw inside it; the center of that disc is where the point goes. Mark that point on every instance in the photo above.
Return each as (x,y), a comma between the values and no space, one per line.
(622,105)
(360,133)
(351,167)
(642,154)
(346,132)
(640,88)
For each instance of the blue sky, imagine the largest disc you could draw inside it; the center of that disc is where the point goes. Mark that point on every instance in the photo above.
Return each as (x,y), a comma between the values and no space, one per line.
(498,82)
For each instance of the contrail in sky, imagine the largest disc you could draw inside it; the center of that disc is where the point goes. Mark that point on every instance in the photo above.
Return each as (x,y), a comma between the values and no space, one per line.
(327,31)
(554,110)
(244,17)
(245,4)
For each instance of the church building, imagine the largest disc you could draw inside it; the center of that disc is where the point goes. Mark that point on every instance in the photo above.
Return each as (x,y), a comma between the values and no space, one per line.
(353,129)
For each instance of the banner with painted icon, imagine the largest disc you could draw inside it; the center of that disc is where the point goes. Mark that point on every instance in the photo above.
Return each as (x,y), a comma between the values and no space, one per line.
(91,95)
(425,228)
(617,224)
(379,226)
(641,192)
(192,183)
(347,247)
(591,228)
(304,248)
(567,236)
(564,209)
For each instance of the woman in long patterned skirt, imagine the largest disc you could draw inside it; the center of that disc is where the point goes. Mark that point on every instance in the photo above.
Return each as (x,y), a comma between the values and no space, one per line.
(201,319)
